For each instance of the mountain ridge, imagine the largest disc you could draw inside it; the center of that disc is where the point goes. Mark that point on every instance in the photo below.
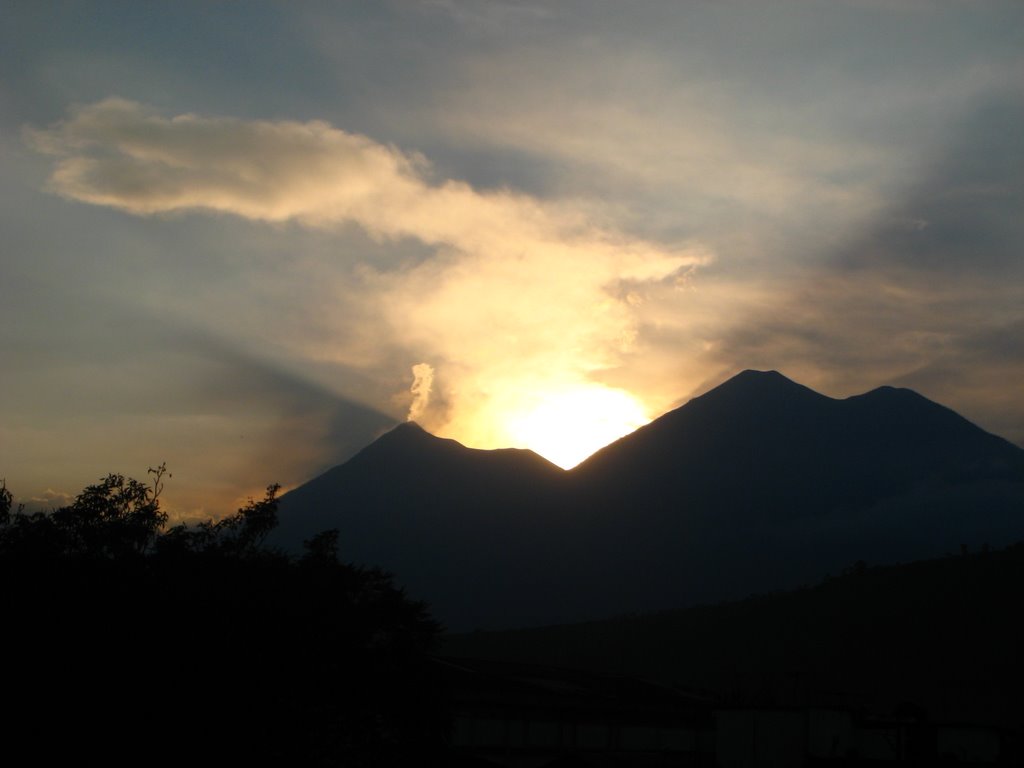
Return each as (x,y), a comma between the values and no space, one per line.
(760,481)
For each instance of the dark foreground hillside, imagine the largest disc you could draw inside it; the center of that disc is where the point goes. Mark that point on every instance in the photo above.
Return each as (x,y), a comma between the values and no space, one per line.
(125,644)
(942,638)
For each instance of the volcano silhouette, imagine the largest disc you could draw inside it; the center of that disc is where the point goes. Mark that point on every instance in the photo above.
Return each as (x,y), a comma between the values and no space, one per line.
(759,484)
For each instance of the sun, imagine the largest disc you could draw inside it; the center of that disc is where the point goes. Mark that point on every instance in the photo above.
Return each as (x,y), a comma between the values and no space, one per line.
(567,426)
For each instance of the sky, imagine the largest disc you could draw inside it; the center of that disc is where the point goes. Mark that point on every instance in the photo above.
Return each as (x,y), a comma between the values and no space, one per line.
(245,239)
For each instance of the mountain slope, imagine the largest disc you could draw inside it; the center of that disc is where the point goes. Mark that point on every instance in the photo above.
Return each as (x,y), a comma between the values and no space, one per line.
(444,518)
(763,484)
(759,484)
(762,446)
(940,633)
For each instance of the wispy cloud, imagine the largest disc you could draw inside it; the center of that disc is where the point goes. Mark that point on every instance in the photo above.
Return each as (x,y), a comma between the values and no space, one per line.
(47,501)
(521,296)
(930,296)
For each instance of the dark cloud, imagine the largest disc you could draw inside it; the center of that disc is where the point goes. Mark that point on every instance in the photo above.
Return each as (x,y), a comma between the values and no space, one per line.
(964,215)
(930,296)
(979,375)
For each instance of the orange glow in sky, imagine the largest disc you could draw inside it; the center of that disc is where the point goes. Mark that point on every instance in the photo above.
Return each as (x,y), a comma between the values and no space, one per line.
(566,426)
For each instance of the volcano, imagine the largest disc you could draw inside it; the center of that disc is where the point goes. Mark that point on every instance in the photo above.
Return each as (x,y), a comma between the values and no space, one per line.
(759,484)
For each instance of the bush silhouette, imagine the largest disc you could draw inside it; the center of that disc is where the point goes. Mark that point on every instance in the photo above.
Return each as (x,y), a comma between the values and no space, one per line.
(129,641)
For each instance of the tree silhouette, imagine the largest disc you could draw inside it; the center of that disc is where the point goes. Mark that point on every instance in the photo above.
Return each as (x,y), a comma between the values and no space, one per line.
(322,549)
(244,532)
(115,518)
(252,654)
(6,502)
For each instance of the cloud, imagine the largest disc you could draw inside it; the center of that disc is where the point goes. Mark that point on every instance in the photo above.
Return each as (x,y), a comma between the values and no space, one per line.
(47,501)
(121,154)
(847,332)
(518,295)
(938,308)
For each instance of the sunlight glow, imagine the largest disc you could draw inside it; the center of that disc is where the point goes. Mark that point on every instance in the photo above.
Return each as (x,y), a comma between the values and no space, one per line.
(568,426)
